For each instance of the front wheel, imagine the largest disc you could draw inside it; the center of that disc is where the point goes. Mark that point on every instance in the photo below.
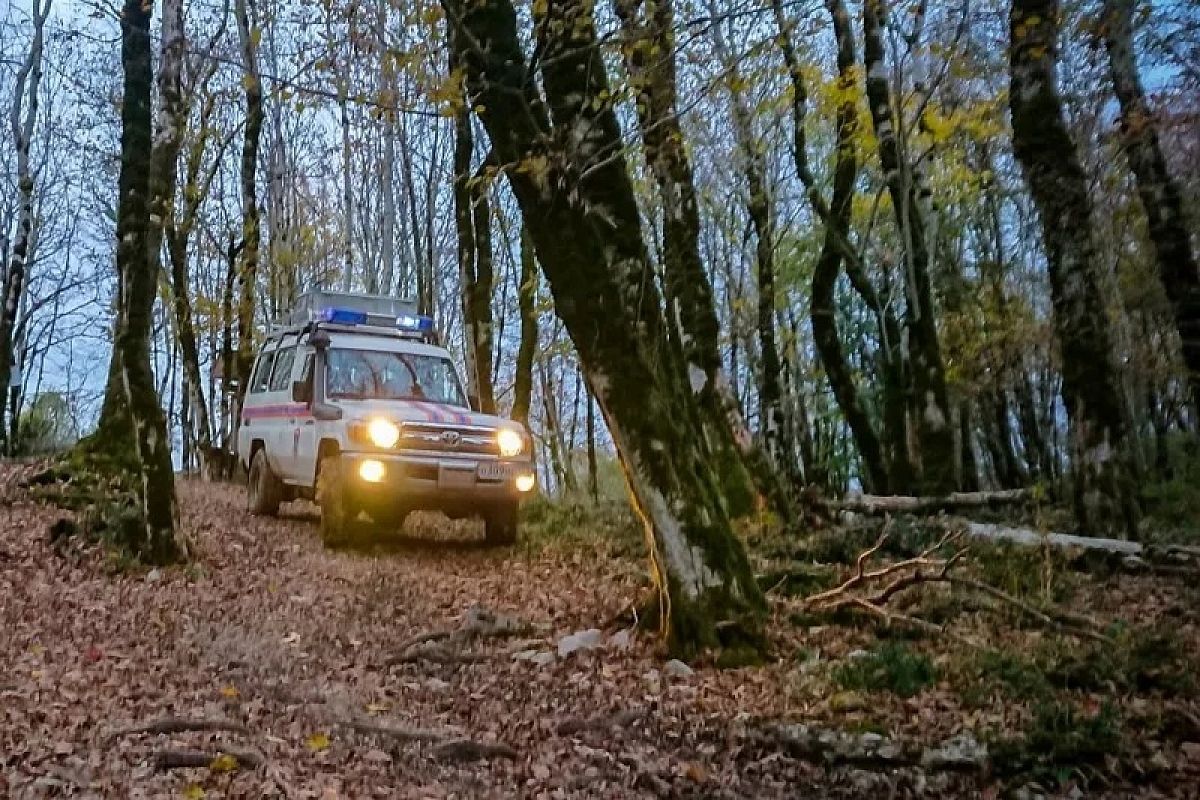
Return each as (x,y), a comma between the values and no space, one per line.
(500,525)
(265,490)
(337,515)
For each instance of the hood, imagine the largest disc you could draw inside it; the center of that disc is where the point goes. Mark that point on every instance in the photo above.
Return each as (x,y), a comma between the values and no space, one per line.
(420,411)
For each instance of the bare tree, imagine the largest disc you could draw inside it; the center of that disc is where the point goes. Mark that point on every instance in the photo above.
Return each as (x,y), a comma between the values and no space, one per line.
(29,78)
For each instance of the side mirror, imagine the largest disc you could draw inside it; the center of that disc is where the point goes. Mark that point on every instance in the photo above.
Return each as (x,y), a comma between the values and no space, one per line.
(302,391)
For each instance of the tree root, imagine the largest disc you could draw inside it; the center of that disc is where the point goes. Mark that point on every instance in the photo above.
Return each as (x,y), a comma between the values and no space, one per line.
(601,722)
(448,745)
(480,623)
(179,725)
(400,732)
(187,759)
(471,750)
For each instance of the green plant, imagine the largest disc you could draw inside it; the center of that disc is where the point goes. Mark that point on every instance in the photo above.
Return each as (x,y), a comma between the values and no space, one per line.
(893,667)
(1061,742)
(1005,671)
(1138,660)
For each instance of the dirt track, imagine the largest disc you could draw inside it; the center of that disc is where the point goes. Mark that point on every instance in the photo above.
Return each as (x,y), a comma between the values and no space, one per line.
(294,646)
(272,631)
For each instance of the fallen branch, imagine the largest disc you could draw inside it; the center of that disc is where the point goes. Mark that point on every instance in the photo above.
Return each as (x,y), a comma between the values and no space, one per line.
(187,759)
(893,579)
(180,725)
(898,504)
(1066,623)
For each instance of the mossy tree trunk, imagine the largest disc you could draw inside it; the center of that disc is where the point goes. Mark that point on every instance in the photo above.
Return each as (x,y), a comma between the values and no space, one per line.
(130,443)
(649,49)
(247,274)
(1103,485)
(1159,193)
(577,200)
(926,396)
(28,80)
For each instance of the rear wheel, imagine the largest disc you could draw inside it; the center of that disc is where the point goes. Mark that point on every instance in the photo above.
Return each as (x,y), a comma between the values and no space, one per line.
(337,512)
(265,490)
(500,525)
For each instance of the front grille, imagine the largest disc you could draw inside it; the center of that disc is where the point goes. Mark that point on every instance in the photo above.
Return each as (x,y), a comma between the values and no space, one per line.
(448,439)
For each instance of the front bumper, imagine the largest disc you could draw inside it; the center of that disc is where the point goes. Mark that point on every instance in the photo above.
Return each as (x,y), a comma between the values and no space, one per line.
(436,482)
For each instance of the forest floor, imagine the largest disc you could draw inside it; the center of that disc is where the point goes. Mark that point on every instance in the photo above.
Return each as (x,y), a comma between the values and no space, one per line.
(303,664)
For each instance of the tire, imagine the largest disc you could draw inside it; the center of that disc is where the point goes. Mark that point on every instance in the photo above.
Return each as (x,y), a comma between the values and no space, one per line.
(500,526)
(389,520)
(337,513)
(264,489)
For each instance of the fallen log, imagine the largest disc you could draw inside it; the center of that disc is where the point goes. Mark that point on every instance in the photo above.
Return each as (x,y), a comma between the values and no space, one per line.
(901,504)
(1028,536)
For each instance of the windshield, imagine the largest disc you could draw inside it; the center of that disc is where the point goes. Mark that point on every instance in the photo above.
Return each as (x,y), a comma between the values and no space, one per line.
(377,375)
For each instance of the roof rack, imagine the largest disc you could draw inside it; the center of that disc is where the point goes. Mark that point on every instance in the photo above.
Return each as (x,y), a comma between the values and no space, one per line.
(365,313)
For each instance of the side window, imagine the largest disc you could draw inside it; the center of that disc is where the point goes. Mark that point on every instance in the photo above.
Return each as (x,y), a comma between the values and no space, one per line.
(306,373)
(263,372)
(282,375)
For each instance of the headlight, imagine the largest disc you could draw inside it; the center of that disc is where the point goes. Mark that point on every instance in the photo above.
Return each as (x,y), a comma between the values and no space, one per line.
(525,482)
(510,442)
(371,470)
(383,433)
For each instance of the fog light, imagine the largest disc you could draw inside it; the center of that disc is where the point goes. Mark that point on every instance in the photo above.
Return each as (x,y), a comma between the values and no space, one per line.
(371,470)
(525,482)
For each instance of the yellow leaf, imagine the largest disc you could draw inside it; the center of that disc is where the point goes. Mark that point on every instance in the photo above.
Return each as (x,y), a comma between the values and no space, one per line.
(229,692)
(194,792)
(317,742)
(223,763)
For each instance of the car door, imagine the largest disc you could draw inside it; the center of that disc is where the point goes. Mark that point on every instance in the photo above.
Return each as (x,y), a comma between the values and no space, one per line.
(304,443)
(255,422)
(281,420)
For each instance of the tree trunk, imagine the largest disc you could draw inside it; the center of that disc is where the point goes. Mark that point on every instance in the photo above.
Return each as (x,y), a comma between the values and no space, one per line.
(13,288)
(836,217)
(1103,487)
(650,60)
(473,223)
(1159,192)
(131,440)
(527,349)
(247,277)
(387,164)
(927,398)
(577,200)
(759,207)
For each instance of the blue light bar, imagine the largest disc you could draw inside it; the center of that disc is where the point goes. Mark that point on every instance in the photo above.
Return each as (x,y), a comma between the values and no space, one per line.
(415,322)
(343,316)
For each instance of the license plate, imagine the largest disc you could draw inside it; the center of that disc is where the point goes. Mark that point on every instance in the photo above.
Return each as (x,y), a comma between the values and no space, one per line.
(450,478)
(491,471)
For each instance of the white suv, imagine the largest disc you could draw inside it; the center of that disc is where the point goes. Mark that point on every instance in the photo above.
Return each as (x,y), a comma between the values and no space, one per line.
(354,404)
